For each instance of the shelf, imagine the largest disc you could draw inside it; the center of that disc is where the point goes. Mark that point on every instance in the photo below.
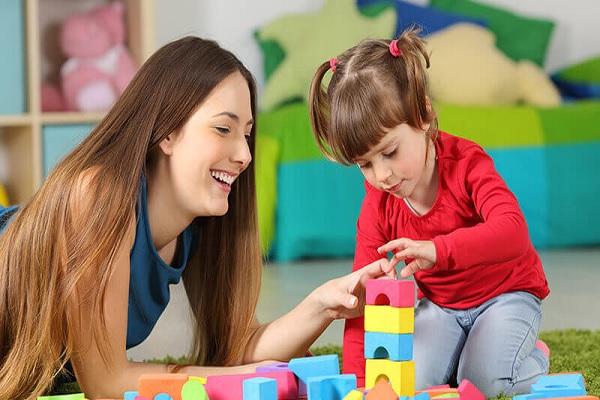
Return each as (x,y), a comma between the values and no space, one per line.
(15,120)
(71,118)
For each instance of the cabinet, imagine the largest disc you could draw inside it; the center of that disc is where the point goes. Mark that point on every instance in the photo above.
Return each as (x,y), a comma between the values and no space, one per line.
(29,44)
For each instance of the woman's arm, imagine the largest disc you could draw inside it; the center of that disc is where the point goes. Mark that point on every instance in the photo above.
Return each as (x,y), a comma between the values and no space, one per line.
(291,335)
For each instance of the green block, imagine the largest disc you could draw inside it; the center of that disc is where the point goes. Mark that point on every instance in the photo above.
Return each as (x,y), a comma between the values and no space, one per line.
(492,126)
(571,123)
(193,390)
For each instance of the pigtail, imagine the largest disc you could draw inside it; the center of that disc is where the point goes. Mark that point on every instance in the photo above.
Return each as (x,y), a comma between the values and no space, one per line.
(319,110)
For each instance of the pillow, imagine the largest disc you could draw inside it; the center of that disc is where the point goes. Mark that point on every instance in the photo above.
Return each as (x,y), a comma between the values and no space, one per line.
(428,18)
(519,37)
(310,39)
(581,80)
(267,156)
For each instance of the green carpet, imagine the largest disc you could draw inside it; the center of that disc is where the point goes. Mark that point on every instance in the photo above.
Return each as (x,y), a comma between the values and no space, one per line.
(571,350)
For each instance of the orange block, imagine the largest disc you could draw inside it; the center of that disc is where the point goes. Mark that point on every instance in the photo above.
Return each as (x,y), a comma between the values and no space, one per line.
(149,385)
(382,391)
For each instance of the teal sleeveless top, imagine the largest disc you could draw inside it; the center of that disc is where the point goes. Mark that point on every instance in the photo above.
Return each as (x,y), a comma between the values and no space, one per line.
(150,276)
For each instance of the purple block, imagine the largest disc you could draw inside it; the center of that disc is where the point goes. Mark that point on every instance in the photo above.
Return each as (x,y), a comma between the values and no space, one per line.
(275,367)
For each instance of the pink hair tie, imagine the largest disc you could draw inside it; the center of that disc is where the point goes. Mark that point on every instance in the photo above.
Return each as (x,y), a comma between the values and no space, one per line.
(394,50)
(333,64)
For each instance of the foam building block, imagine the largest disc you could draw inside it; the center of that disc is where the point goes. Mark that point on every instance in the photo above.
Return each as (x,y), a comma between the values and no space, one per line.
(588,397)
(308,367)
(396,347)
(401,375)
(200,379)
(276,366)
(440,390)
(74,396)
(260,389)
(193,389)
(162,396)
(226,387)
(391,292)
(332,387)
(561,385)
(447,396)
(131,395)
(354,395)
(382,391)
(389,319)
(468,391)
(150,385)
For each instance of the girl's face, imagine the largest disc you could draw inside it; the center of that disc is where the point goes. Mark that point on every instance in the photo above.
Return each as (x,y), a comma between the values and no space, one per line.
(205,158)
(397,164)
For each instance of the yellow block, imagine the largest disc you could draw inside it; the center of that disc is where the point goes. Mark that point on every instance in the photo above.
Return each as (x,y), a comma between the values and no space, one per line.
(354,395)
(401,374)
(200,379)
(389,319)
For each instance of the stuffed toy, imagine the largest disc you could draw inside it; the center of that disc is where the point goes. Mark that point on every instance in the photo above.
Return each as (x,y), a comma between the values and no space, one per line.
(467,68)
(3,176)
(99,66)
(52,98)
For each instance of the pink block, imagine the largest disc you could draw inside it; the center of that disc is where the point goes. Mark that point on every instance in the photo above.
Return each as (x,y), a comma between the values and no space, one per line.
(468,391)
(227,387)
(396,293)
(275,367)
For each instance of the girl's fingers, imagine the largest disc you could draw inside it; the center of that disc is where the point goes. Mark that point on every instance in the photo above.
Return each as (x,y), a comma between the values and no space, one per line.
(392,245)
(410,269)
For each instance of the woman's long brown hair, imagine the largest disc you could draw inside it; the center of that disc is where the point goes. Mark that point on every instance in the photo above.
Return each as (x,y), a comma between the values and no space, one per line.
(45,252)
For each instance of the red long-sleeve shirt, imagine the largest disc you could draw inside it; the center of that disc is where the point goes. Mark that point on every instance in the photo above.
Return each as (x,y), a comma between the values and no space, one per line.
(480,235)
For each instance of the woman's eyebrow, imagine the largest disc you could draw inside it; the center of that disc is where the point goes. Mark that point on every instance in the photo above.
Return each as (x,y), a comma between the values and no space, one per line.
(233,116)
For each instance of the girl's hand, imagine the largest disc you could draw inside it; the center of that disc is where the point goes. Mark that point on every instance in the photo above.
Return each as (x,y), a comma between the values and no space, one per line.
(422,253)
(344,297)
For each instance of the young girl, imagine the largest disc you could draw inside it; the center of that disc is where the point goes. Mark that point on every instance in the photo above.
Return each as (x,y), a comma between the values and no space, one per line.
(435,201)
(162,189)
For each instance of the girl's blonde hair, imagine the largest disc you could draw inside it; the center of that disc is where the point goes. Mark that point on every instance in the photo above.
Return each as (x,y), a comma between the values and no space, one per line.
(43,256)
(370,92)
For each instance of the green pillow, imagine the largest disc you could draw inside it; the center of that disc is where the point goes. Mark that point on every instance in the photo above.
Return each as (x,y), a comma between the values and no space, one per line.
(310,39)
(267,158)
(519,37)
(273,54)
(587,71)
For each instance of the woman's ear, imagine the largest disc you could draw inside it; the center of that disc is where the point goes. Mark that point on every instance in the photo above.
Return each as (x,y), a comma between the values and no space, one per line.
(166,145)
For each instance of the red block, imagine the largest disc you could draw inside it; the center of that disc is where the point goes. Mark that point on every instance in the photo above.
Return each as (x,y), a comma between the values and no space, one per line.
(228,387)
(396,293)
(468,391)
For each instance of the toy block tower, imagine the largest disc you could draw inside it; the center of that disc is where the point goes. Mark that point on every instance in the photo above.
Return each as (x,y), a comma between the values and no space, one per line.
(389,328)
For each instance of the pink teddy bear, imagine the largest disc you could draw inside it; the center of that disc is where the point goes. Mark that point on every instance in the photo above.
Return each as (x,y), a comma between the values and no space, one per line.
(99,66)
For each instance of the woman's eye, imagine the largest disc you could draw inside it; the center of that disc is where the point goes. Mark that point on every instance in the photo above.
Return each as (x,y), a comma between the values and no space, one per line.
(390,154)
(222,129)
(363,166)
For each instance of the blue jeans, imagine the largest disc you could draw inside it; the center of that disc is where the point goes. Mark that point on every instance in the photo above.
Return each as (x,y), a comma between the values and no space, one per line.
(492,345)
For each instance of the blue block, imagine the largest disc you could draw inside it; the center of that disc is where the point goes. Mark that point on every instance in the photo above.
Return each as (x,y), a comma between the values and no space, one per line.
(260,389)
(12,67)
(59,140)
(333,387)
(130,395)
(566,385)
(389,346)
(308,367)
(421,396)
(162,396)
